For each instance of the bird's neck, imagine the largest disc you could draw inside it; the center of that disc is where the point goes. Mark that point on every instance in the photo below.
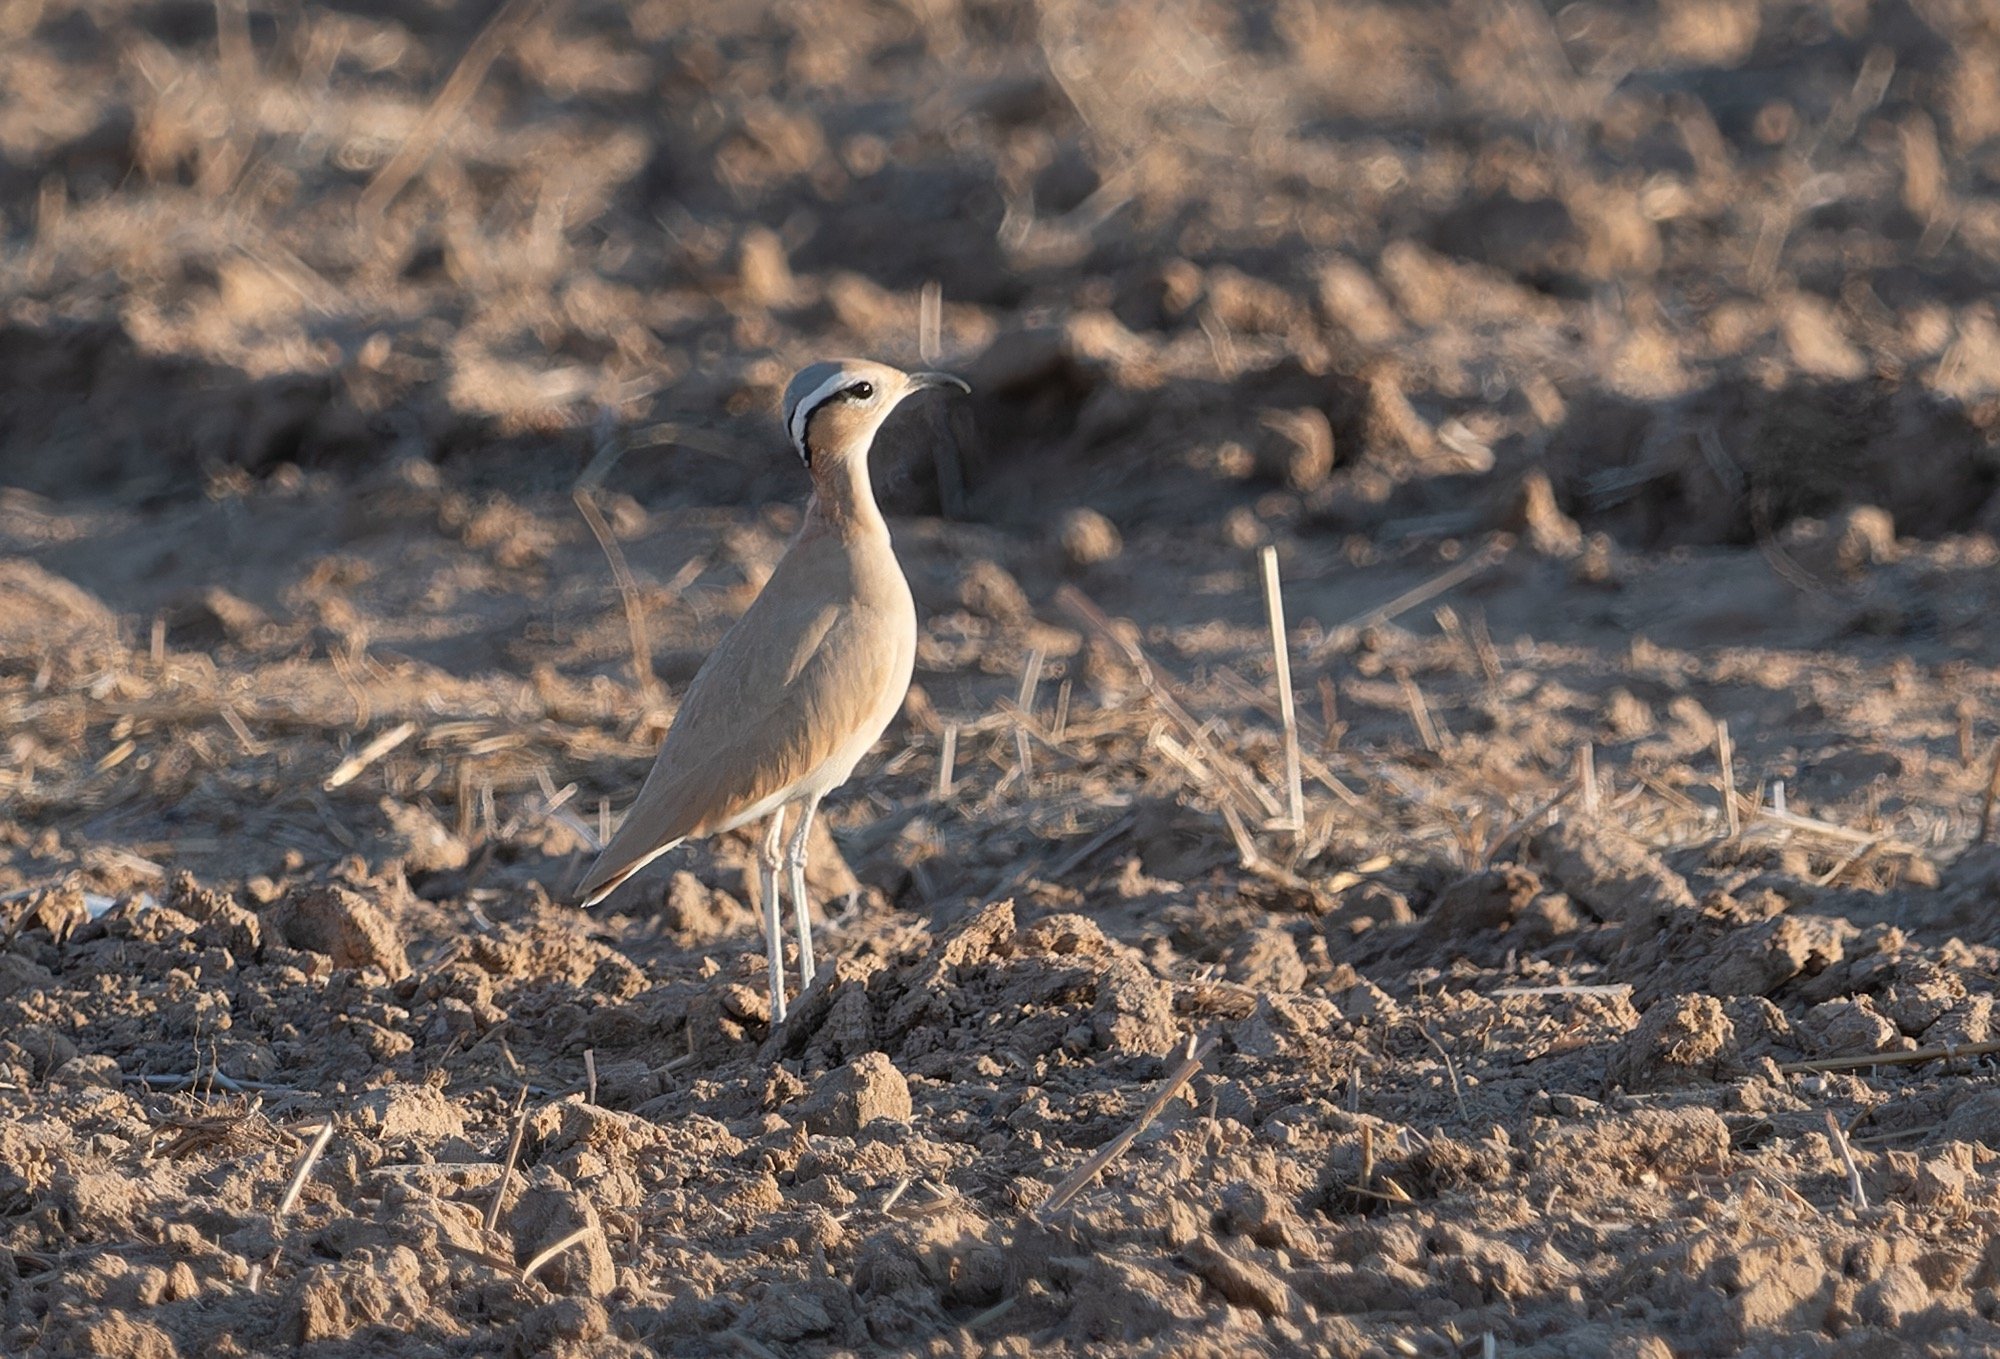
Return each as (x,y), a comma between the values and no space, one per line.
(843,501)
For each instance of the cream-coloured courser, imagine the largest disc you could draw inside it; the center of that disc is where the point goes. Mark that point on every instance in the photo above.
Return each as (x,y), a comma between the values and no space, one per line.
(809,676)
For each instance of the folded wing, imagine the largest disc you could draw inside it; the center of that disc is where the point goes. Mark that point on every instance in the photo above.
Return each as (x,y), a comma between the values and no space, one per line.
(790,685)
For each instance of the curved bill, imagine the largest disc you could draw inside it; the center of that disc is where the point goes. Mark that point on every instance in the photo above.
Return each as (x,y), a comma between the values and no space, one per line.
(940,380)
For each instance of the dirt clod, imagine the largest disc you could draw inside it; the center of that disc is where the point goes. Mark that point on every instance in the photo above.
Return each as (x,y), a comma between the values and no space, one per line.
(1848,1028)
(1678,1040)
(343,925)
(1243,1281)
(846,1100)
(545,1214)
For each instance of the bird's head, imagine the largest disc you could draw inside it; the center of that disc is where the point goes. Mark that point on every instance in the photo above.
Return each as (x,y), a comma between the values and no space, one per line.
(834,408)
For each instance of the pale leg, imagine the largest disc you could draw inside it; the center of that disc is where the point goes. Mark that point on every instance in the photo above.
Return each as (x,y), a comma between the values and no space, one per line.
(795,861)
(774,936)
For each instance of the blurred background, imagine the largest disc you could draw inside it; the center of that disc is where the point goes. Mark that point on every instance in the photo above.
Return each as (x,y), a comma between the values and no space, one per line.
(1713,264)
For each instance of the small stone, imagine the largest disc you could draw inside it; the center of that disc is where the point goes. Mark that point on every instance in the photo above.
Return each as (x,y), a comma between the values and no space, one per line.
(48,1050)
(1351,298)
(1627,717)
(1976,1118)
(122,1335)
(89,1069)
(213,618)
(1758,960)
(849,1098)
(48,621)
(1863,536)
(334,1299)
(1639,1347)
(1243,530)
(1087,538)
(1366,1001)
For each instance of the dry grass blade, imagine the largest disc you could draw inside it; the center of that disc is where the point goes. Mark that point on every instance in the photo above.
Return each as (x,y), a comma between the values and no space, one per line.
(1024,704)
(1342,637)
(990,1315)
(306,1164)
(291,1195)
(1281,663)
(628,592)
(1450,1067)
(1091,846)
(499,1198)
(352,767)
(947,762)
(1830,830)
(1526,823)
(930,321)
(1420,710)
(1081,1177)
(1586,777)
(234,721)
(1849,862)
(896,1192)
(500,33)
(1725,757)
(548,1253)
(176,1081)
(1910,1058)
(1606,989)
(1838,1137)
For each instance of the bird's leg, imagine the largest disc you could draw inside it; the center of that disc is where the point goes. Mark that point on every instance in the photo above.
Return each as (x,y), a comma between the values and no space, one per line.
(795,861)
(774,937)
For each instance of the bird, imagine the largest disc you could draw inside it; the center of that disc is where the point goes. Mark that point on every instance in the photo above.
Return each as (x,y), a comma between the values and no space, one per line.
(806,680)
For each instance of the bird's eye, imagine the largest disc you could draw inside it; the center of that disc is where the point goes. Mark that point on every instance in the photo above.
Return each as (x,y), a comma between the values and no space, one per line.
(861,391)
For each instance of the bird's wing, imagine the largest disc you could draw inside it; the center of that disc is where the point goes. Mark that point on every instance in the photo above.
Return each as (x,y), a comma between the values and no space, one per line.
(797,678)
